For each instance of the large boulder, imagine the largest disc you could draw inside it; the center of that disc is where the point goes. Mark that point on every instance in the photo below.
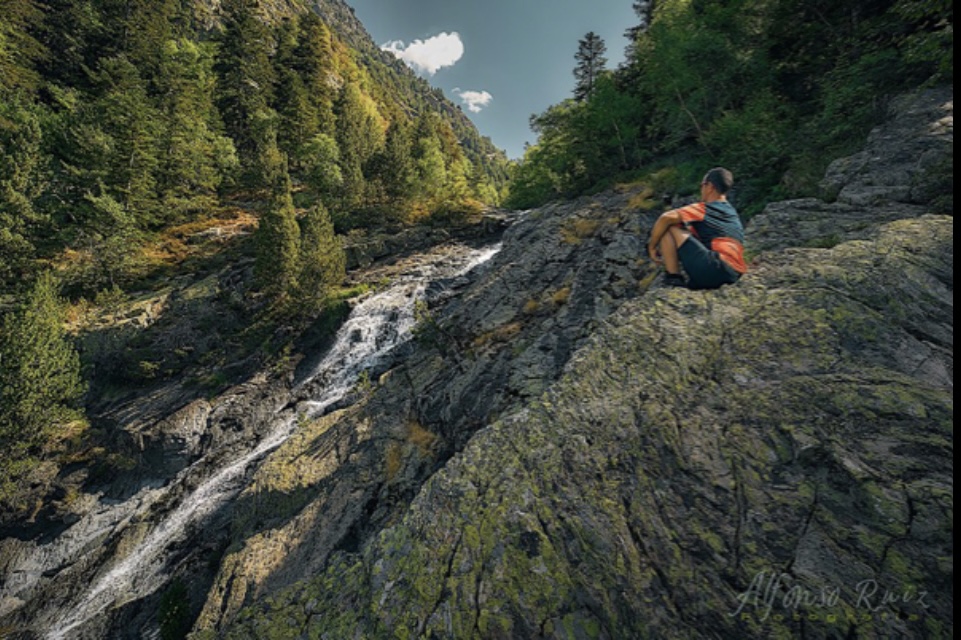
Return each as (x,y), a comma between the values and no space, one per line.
(900,156)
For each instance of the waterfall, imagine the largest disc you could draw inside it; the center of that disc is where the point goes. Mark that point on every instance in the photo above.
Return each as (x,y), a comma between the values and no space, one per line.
(376,326)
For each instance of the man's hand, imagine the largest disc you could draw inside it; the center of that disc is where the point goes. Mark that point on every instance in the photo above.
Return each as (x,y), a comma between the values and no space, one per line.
(654,253)
(661,226)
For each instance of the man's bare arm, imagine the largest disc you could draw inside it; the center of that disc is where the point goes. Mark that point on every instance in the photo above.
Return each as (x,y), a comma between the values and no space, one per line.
(667,220)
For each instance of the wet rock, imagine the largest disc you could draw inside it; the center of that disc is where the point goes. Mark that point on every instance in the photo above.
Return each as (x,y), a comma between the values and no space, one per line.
(366,250)
(183,432)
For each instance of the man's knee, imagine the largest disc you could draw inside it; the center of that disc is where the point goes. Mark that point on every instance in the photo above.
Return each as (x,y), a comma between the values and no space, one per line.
(679,234)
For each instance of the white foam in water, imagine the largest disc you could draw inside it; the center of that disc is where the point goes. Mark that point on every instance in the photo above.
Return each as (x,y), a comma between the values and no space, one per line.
(375,326)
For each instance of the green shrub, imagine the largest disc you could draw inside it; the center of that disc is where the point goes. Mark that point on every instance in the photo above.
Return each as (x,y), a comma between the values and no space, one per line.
(174,614)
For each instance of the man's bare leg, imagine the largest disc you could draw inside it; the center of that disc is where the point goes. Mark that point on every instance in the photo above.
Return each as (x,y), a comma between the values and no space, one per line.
(670,241)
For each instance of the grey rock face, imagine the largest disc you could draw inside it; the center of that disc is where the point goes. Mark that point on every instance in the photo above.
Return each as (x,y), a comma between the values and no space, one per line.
(741,463)
(488,342)
(888,180)
(891,168)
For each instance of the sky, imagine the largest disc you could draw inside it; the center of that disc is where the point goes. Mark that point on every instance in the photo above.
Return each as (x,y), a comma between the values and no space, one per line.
(501,60)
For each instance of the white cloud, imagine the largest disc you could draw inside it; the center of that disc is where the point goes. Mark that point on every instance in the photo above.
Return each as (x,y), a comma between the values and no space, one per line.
(429,55)
(475,100)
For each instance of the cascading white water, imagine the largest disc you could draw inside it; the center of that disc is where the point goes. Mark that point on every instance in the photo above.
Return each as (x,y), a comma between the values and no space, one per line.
(377,325)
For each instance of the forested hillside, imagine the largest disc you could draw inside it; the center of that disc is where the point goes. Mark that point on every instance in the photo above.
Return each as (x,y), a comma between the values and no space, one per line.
(139,136)
(119,118)
(773,90)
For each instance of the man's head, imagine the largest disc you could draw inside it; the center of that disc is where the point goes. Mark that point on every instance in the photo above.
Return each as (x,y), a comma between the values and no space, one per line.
(719,179)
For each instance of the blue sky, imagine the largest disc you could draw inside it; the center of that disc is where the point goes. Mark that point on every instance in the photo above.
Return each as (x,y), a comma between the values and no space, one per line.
(501,60)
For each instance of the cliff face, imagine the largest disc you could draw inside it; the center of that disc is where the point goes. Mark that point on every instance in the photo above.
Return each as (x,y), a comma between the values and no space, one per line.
(570,452)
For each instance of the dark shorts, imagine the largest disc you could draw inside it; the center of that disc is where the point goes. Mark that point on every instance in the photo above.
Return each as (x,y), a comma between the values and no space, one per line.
(705,269)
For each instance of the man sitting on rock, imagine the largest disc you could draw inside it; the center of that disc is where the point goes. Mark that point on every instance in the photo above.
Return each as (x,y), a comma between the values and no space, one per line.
(707,238)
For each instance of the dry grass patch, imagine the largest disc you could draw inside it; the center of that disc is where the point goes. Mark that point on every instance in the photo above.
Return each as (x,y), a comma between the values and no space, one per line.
(189,239)
(394,460)
(416,439)
(561,296)
(498,335)
(643,200)
(421,438)
(577,230)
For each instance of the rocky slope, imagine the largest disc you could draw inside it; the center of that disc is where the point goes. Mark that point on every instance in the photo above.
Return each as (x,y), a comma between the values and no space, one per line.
(567,449)
(486,346)
(569,452)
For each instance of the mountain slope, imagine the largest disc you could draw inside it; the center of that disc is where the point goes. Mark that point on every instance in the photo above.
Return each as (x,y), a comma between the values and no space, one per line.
(120,120)
(406,85)
(771,458)
(396,82)
(141,142)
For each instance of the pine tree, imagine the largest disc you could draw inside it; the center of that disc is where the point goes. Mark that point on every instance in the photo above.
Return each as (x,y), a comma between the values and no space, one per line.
(40,382)
(127,156)
(147,26)
(359,136)
(22,180)
(322,259)
(268,163)
(590,64)
(19,49)
(296,122)
(304,98)
(278,241)
(483,187)
(644,10)
(431,168)
(321,164)
(70,32)
(297,119)
(314,61)
(394,167)
(111,234)
(428,154)
(245,84)
(458,189)
(195,157)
